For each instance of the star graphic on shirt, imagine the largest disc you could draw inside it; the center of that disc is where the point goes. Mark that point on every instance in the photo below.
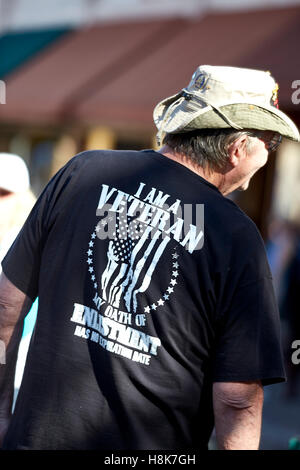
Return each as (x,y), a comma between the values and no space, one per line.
(173,282)
(170,290)
(103,222)
(175,256)
(161,302)
(95,285)
(89,261)
(166,296)
(91,269)
(89,252)
(147,309)
(175,273)
(93,277)
(91,244)
(175,265)
(154,307)
(93,235)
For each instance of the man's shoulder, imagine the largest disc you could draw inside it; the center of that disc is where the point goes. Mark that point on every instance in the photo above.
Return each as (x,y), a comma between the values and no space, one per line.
(91,160)
(237,223)
(104,153)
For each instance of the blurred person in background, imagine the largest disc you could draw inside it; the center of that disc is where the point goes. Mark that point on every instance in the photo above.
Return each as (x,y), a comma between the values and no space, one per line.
(283,250)
(290,311)
(280,246)
(146,337)
(16,202)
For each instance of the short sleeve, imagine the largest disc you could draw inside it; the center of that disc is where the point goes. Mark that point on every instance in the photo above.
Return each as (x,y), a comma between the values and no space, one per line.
(21,265)
(248,337)
(22,261)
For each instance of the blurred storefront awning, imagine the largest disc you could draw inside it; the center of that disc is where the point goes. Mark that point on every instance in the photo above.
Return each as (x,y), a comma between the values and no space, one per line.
(114,74)
(47,88)
(18,47)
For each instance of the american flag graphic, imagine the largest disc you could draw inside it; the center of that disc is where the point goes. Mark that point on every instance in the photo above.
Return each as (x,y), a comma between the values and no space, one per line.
(132,257)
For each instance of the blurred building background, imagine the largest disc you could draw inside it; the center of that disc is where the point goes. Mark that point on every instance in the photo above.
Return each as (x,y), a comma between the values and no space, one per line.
(85,74)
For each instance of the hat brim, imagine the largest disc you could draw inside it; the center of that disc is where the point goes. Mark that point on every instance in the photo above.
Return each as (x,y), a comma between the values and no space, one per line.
(186,116)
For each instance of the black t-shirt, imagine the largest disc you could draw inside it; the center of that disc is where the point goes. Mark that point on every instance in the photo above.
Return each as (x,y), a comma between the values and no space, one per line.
(151,286)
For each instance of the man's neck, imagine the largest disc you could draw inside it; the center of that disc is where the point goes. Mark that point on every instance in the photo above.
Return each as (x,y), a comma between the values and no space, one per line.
(213,177)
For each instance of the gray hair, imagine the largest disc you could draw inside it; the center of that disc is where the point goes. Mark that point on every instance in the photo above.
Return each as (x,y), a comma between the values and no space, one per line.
(207,148)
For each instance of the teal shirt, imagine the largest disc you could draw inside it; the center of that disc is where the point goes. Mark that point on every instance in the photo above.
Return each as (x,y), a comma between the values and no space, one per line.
(30,319)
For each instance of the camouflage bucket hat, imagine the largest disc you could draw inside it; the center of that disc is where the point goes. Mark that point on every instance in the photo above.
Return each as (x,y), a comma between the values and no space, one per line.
(223,97)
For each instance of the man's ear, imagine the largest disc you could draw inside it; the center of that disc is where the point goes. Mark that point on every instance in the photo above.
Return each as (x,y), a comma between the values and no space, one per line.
(237,150)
